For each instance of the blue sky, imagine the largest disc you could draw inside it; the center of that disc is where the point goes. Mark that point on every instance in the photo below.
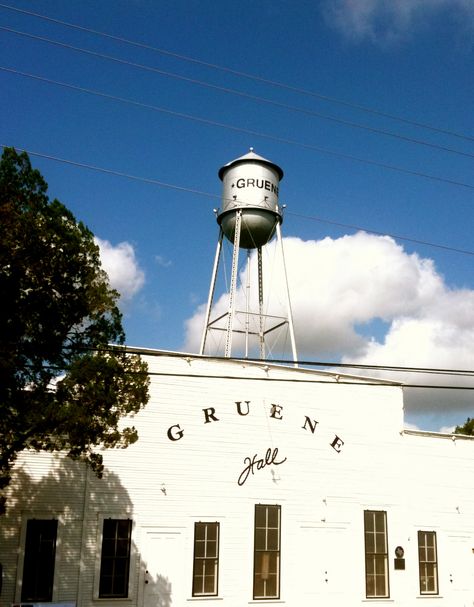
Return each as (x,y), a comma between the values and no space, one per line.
(359,297)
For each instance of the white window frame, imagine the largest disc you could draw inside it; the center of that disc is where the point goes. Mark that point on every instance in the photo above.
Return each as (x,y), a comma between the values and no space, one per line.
(267,550)
(434,563)
(197,560)
(376,556)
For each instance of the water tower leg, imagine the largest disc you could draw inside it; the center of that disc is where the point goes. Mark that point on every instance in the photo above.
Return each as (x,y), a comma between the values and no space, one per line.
(211,292)
(247,306)
(288,301)
(233,284)
(261,329)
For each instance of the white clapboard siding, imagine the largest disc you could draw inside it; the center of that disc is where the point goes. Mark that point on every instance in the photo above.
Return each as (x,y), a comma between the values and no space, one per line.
(357,458)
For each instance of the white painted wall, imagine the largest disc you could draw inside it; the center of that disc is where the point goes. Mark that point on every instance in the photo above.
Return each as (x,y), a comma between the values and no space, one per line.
(422,481)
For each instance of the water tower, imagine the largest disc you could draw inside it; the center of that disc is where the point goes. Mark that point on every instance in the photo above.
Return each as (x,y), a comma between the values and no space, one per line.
(250,216)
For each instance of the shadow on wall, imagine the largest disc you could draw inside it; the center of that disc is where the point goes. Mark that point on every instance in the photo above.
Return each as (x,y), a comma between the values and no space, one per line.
(70,493)
(158,592)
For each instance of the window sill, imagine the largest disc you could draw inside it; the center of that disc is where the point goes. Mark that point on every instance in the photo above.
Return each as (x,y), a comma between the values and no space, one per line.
(206,598)
(127,599)
(267,602)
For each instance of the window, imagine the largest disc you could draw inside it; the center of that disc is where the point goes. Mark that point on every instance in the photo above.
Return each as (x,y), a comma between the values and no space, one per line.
(266,560)
(206,559)
(38,566)
(115,558)
(376,554)
(428,562)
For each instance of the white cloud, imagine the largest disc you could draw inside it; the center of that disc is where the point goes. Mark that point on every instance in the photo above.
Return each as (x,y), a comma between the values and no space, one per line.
(122,267)
(162,261)
(340,286)
(447,429)
(337,285)
(389,21)
(408,426)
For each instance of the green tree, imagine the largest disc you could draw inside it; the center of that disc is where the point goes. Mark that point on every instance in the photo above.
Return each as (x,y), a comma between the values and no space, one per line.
(466,428)
(63,387)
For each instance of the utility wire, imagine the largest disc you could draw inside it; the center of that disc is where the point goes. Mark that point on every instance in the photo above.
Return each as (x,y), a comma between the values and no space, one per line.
(249,96)
(91,167)
(333,365)
(313,381)
(283,361)
(293,380)
(268,136)
(217,197)
(246,75)
(377,233)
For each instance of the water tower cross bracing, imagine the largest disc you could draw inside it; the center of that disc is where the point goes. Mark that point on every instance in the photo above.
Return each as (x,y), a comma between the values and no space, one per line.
(249,218)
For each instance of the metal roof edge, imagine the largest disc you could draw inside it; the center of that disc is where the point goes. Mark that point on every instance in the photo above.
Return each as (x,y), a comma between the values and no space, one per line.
(338,377)
(450,435)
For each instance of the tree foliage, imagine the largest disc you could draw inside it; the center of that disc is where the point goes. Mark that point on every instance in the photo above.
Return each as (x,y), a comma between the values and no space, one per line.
(466,428)
(62,385)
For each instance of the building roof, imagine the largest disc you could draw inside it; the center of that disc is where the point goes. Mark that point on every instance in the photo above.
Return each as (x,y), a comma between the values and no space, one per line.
(237,363)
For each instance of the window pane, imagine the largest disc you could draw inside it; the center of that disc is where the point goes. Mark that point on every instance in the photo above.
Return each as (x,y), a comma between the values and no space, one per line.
(380,542)
(260,516)
(260,539)
(273,539)
(380,586)
(199,531)
(122,547)
(108,547)
(273,516)
(259,587)
(369,543)
(211,549)
(379,522)
(123,529)
(368,521)
(211,532)
(370,585)
(199,549)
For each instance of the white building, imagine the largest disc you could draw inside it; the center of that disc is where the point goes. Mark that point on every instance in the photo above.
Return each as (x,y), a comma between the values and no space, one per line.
(250,484)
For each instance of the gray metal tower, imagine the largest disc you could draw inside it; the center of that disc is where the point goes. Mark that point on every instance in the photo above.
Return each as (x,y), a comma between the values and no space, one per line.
(249,218)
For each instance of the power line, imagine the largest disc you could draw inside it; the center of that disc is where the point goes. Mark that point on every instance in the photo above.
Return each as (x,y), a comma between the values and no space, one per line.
(254,133)
(242,74)
(91,167)
(377,233)
(249,96)
(293,380)
(299,380)
(316,363)
(339,381)
(282,361)
(217,197)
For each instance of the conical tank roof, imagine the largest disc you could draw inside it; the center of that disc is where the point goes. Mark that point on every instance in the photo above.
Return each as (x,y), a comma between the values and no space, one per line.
(251,156)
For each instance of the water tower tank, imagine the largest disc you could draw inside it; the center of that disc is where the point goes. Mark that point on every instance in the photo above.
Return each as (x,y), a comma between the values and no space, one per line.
(250,184)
